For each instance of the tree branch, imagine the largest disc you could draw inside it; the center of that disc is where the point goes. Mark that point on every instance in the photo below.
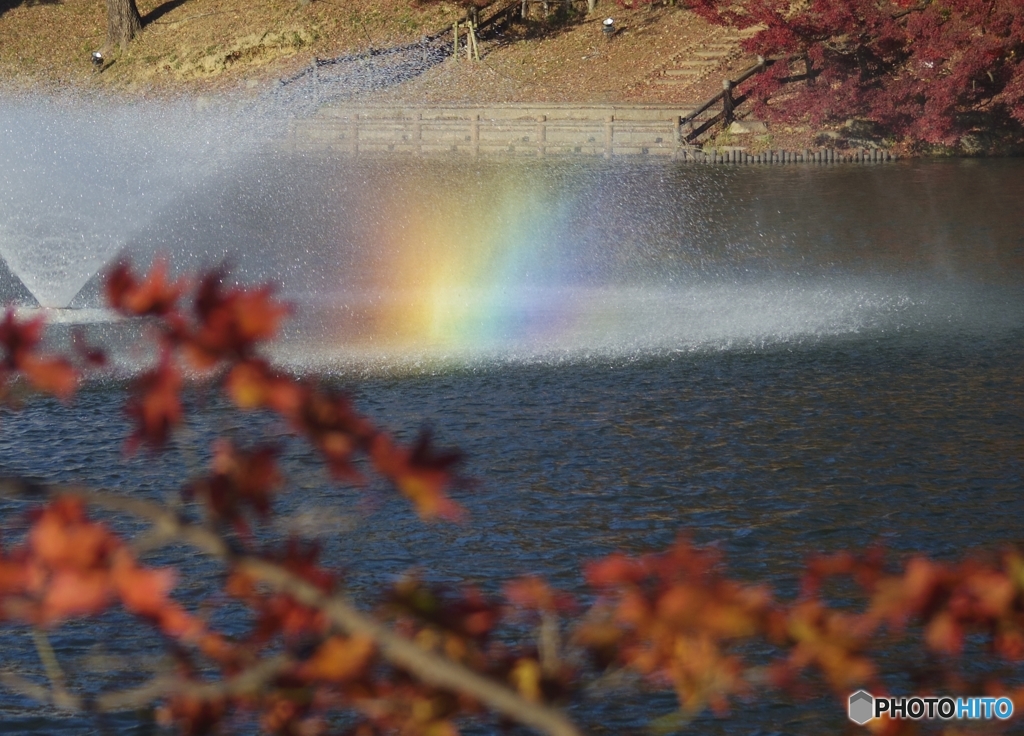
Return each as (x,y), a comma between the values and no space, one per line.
(430,668)
(915,9)
(246,682)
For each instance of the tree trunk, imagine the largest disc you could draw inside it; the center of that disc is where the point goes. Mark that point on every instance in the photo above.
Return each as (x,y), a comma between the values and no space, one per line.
(123,22)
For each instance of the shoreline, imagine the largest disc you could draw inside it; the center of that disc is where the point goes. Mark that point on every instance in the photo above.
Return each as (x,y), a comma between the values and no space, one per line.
(534,67)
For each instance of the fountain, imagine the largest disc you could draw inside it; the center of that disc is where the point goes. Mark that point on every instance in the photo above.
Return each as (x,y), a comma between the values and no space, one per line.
(406,260)
(80,178)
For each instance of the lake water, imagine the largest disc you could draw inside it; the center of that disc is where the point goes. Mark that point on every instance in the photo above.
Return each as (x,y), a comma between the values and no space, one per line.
(778,362)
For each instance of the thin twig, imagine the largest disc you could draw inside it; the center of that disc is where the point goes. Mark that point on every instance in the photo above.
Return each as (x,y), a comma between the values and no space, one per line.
(50,664)
(247,682)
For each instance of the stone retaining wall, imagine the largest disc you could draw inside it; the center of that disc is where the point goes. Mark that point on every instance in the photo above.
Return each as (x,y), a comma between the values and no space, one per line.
(531,130)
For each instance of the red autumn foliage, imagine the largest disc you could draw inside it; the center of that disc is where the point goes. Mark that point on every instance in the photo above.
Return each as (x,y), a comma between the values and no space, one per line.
(930,72)
(241,481)
(152,295)
(21,344)
(674,617)
(155,406)
(231,323)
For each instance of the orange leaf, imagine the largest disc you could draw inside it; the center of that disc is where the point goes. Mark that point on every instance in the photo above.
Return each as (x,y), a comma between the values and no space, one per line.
(142,591)
(339,659)
(52,375)
(74,593)
(420,474)
(526,677)
(944,634)
(63,537)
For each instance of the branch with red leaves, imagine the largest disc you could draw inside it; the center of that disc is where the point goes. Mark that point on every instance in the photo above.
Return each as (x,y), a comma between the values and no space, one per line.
(921,72)
(63,520)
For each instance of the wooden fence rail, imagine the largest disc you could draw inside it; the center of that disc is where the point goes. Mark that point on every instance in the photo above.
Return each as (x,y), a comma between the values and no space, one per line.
(693,127)
(692,131)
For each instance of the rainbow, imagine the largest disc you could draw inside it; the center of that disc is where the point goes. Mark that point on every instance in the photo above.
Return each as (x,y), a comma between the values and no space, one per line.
(515,263)
(460,268)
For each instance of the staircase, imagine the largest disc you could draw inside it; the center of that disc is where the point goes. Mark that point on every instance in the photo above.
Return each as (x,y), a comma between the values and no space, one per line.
(707,57)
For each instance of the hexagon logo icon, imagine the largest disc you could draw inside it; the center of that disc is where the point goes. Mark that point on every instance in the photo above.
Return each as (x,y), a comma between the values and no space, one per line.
(862,706)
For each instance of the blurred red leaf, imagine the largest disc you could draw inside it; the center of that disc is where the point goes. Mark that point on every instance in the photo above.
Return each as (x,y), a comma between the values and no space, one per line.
(51,375)
(90,355)
(21,340)
(62,536)
(231,322)
(240,480)
(533,593)
(252,384)
(153,295)
(155,405)
(74,593)
(422,474)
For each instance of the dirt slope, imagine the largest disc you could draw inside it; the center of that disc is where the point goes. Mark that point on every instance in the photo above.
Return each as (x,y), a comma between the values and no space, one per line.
(205,46)
(197,45)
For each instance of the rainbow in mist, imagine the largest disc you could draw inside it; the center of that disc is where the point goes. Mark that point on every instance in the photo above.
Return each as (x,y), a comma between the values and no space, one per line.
(500,265)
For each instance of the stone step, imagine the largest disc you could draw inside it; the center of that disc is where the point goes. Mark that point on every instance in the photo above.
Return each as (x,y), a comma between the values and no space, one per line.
(702,64)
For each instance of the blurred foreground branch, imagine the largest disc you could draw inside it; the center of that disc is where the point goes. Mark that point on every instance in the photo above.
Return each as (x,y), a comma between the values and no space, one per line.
(169,526)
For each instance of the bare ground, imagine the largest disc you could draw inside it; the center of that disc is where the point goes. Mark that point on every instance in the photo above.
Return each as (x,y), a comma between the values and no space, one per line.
(206,46)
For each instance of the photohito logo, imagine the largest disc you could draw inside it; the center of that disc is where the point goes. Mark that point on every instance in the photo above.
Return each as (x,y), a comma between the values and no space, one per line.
(863,706)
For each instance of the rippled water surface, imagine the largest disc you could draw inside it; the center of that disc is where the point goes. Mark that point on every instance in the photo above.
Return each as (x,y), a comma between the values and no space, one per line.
(778,363)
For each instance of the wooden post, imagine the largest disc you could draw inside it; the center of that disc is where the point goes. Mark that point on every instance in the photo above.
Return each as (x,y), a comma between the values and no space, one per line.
(472,37)
(609,135)
(474,134)
(591,5)
(455,41)
(353,129)
(542,135)
(727,101)
(525,11)
(808,70)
